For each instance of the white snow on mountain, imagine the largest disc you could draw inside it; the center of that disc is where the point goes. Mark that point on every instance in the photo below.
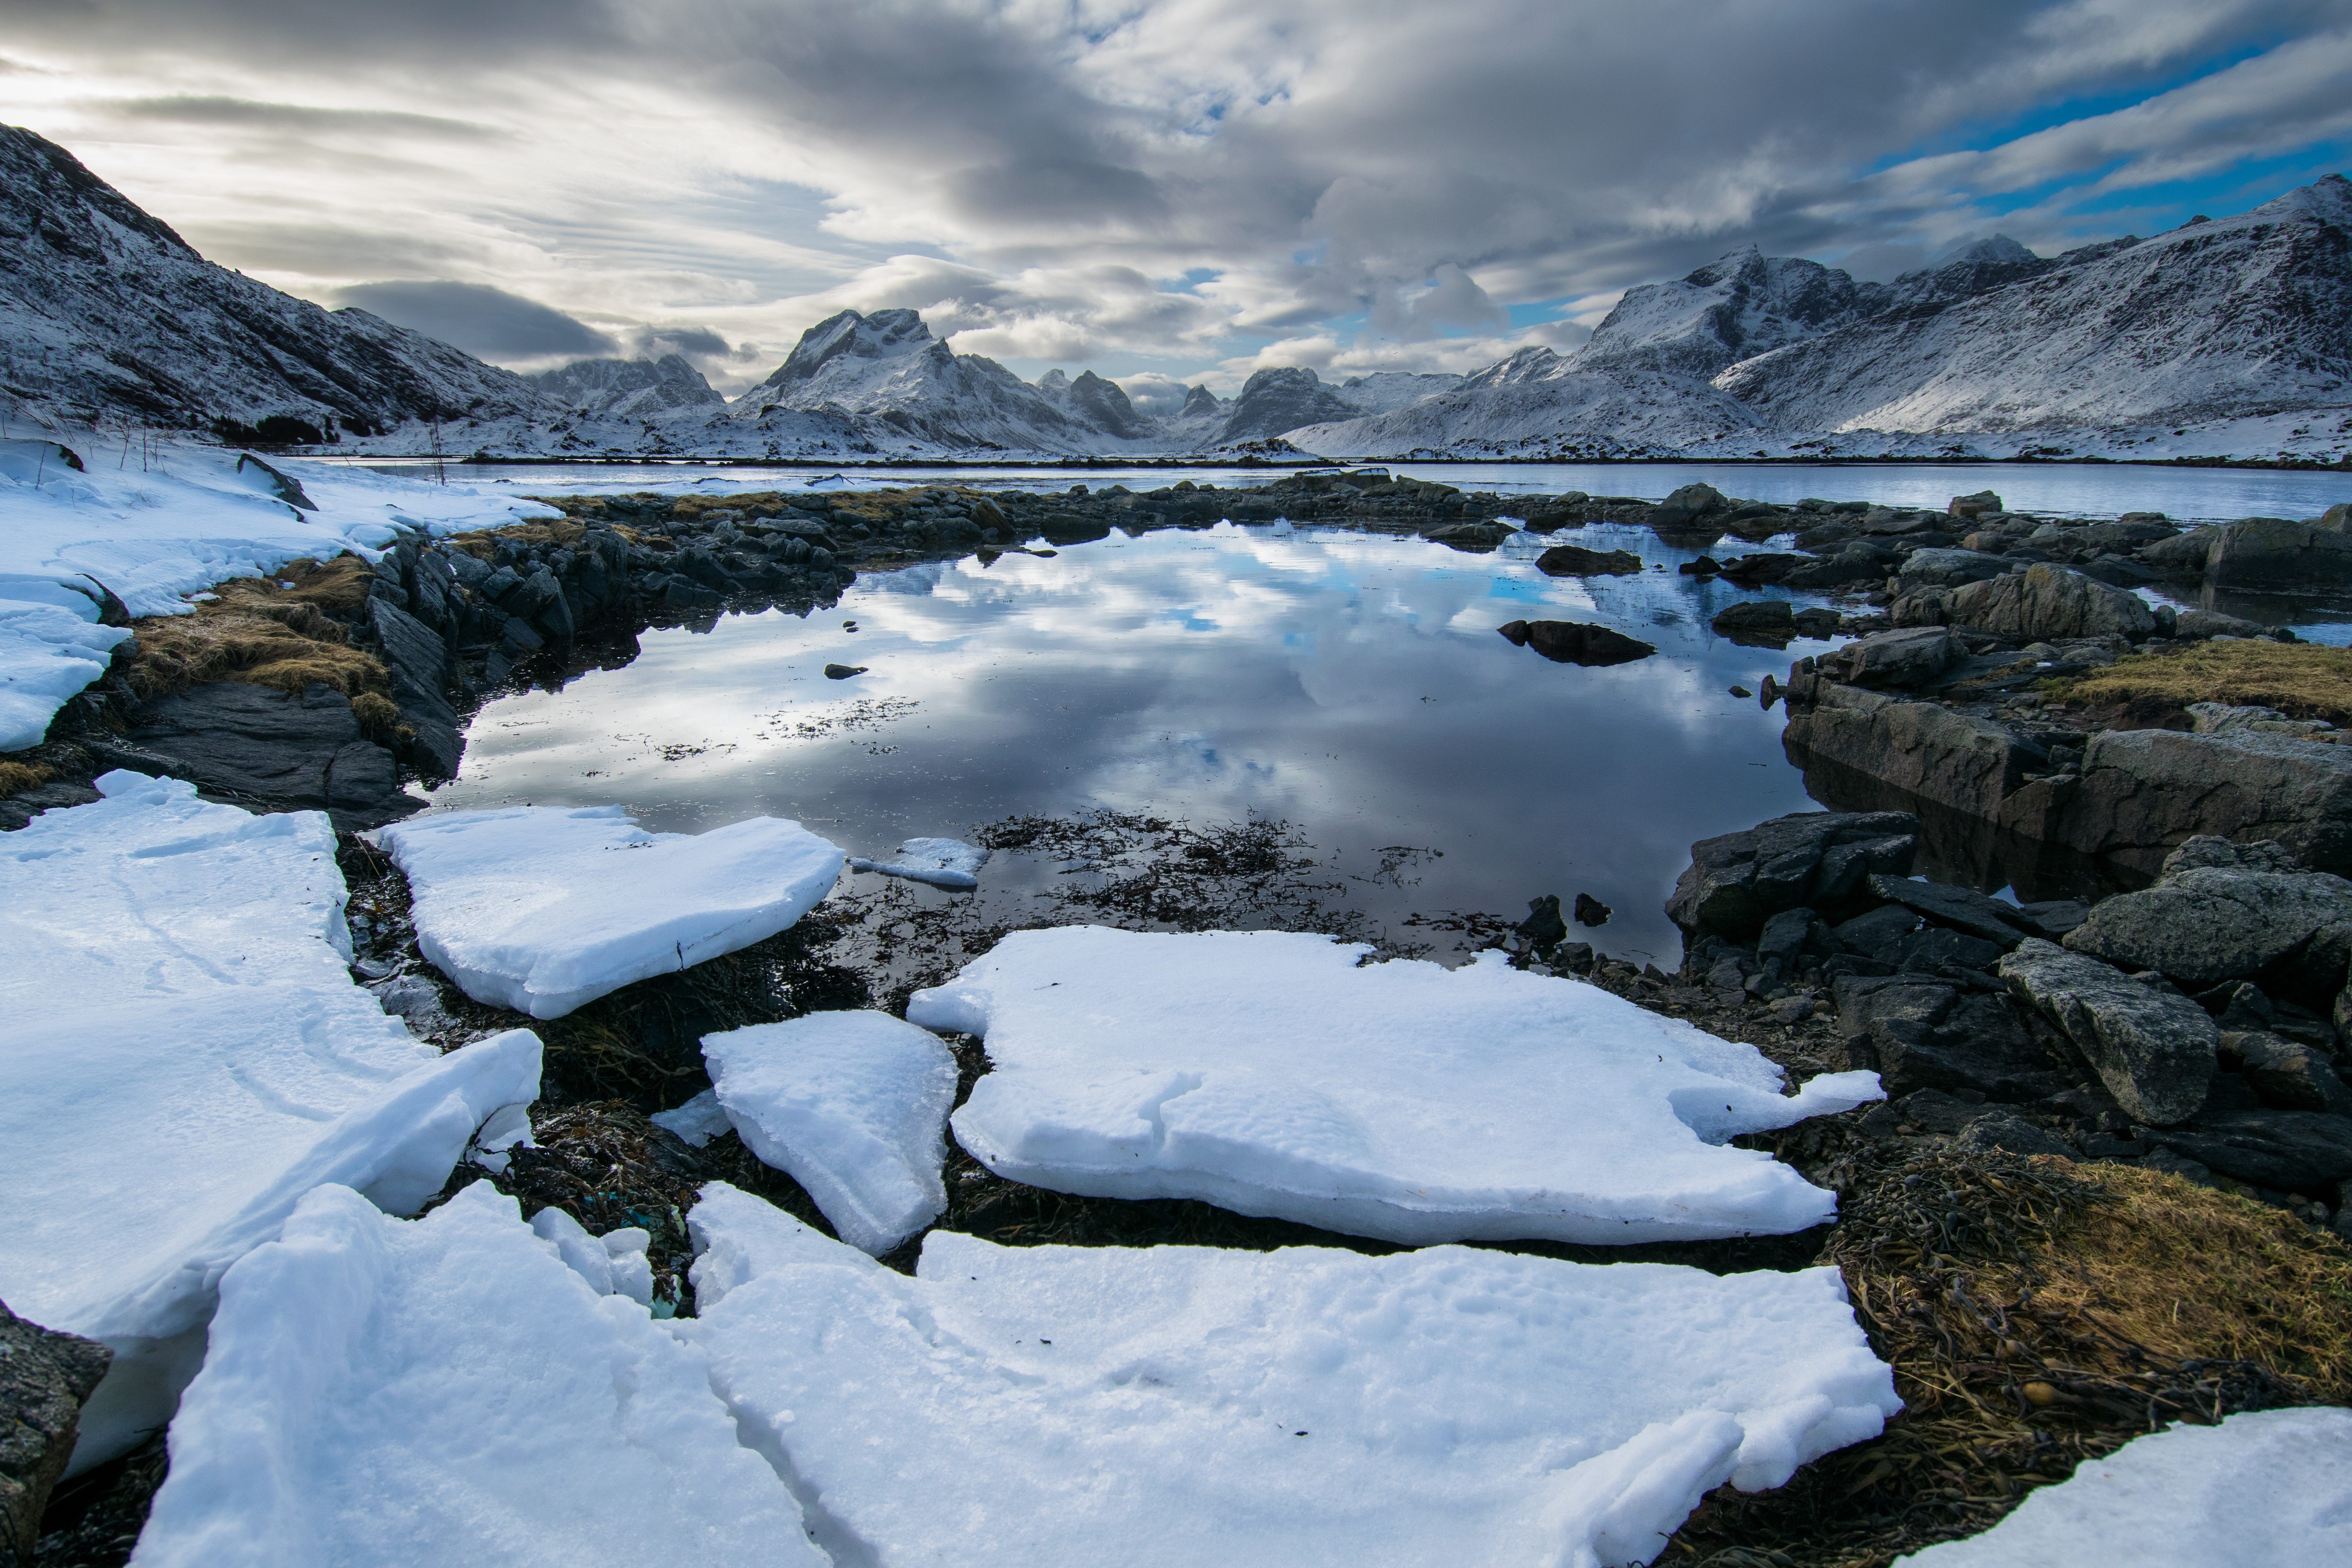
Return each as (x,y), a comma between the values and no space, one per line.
(627,388)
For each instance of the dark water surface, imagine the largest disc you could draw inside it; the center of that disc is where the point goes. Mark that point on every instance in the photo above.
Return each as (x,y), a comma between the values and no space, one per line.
(1351,684)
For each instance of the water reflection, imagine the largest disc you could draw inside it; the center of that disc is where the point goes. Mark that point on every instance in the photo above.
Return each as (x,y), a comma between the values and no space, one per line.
(1353,684)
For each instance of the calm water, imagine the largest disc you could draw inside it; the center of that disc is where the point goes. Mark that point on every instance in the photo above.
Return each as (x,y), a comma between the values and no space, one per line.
(2092,490)
(1351,684)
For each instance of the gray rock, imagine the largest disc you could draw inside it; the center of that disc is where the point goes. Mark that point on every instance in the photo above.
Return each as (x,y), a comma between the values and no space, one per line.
(1573,561)
(1688,507)
(1901,658)
(2155,1052)
(1818,859)
(1961,908)
(1944,567)
(1927,1034)
(1922,748)
(2144,791)
(46,1377)
(419,662)
(2198,624)
(2292,1151)
(256,747)
(2044,603)
(1879,934)
(2053,918)
(1766,623)
(2210,923)
(1977,505)
(2206,851)
(1935,949)
(1784,936)
(2287,1075)
(2276,553)
(2183,554)
(2006,1129)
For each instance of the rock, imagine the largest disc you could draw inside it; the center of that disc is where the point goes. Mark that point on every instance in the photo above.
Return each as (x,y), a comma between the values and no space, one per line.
(419,662)
(1543,929)
(2053,918)
(1877,935)
(2044,603)
(1977,505)
(843,671)
(1924,749)
(2006,1129)
(20,808)
(1574,642)
(1949,568)
(2208,923)
(1936,949)
(252,746)
(1757,622)
(2290,1151)
(1820,622)
(2144,791)
(1687,507)
(2218,718)
(1961,908)
(1705,567)
(2198,624)
(2155,1053)
(1476,537)
(1572,561)
(46,1377)
(682,598)
(1818,859)
(1904,658)
(1922,1033)
(2273,552)
(2287,1075)
(1590,911)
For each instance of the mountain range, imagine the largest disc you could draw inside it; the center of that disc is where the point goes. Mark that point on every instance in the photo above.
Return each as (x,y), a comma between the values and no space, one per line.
(2228,337)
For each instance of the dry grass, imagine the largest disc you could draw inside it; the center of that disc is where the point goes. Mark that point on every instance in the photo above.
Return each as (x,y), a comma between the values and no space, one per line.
(15,778)
(2304,680)
(263,635)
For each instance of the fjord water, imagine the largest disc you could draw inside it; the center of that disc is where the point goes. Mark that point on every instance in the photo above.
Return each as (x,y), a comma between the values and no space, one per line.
(1351,684)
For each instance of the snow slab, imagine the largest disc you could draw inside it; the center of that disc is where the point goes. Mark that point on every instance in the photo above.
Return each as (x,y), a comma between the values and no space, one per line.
(186,1057)
(2266,1487)
(543,909)
(942,862)
(386,1392)
(1177,1406)
(196,516)
(698,1122)
(1274,1073)
(853,1106)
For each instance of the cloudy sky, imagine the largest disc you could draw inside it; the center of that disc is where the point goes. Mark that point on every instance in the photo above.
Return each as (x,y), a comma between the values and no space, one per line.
(1164,190)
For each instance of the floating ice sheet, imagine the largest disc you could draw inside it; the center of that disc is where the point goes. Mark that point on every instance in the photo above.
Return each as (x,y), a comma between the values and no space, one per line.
(2265,1487)
(186,1057)
(542,908)
(1057,1405)
(381,1392)
(853,1106)
(1279,1074)
(942,862)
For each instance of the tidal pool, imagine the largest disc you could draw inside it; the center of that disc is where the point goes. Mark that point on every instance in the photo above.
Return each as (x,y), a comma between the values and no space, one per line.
(1351,684)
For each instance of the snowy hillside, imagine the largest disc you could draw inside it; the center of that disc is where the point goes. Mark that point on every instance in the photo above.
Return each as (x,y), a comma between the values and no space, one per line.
(627,388)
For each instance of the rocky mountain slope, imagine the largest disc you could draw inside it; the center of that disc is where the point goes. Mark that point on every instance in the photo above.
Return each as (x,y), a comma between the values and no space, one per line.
(628,388)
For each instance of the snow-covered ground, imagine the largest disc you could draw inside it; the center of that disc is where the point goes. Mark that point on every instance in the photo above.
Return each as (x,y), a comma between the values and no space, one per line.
(2264,1487)
(382,1393)
(853,1106)
(186,1057)
(1280,1073)
(1054,1405)
(542,908)
(153,525)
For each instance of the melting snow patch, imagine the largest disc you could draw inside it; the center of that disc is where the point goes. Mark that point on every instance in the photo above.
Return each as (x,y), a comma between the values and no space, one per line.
(698,1122)
(384,1392)
(1268,1073)
(942,862)
(1054,1405)
(543,909)
(2270,1485)
(187,1056)
(853,1106)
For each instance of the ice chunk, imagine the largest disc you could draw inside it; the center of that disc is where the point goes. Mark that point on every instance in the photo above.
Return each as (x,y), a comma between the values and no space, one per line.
(542,908)
(2268,1486)
(853,1106)
(384,1392)
(1054,1405)
(698,1122)
(942,862)
(1280,1073)
(186,1057)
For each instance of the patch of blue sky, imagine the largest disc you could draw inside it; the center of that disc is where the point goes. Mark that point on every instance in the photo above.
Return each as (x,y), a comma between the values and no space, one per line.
(1520,590)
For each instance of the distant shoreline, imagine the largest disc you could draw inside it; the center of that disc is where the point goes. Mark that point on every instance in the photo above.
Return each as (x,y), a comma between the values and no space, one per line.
(1274,465)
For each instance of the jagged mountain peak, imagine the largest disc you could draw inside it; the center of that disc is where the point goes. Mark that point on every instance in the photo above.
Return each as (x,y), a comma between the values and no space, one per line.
(885,334)
(628,388)
(2327,198)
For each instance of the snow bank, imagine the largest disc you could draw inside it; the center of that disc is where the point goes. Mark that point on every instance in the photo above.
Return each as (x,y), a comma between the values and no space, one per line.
(1268,1073)
(542,908)
(391,1392)
(942,862)
(195,517)
(187,1056)
(2272,1486)
(1192,1405)
(853,1106)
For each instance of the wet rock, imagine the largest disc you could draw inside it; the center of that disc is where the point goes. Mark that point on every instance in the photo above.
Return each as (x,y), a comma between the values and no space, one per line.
(252,746)
(2142,792)
(1820,860)
(2155,1052)
(20,808)
(1921,748)
(1574,642)
(2289,1150)
(1961,908)
(843,671)
(2273,552)
(1478,538)
(1819,621)
(1705,567)
(2286,1075)
(1573,561)
(46,1377)
(2201,924)
(1543,930)
(2044,603)
(1590,911)
(1900,658)
(1757,622)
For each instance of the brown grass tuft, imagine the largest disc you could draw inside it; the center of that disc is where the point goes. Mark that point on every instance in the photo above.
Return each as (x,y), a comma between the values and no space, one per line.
(376,711)
(263,635)
(15,778)
(2302,680)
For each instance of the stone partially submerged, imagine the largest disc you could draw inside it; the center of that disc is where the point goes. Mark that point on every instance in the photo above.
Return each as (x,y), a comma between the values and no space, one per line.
(381,1392)
(543,909)
(187,1056)
(1060,1407)
(1285,1075)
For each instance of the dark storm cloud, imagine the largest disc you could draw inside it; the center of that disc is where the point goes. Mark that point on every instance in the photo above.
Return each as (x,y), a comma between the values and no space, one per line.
(488,323)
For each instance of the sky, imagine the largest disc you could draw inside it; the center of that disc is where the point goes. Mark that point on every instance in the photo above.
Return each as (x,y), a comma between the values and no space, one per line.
(1165,191)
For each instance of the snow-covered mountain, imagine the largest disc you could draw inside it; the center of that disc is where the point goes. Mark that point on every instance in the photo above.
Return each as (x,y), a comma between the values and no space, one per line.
(627,388)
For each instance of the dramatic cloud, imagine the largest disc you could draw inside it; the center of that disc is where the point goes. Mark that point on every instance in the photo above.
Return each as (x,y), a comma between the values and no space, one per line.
(1162,189)
(488,323)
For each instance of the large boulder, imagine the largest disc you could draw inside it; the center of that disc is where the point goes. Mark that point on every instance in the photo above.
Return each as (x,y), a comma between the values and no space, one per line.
(1945,567)
(2273,552)
(2204,923)
(1577,642)
(46,1377)
(1815,859)
(1959,909)
(1918,1032)
(259,748)
(1902,658)
(1757,622)
(2046,602)
(1689,508)
(1575,561)
(2143,791)
(1924,749)
(419,662)
(2156,1051)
